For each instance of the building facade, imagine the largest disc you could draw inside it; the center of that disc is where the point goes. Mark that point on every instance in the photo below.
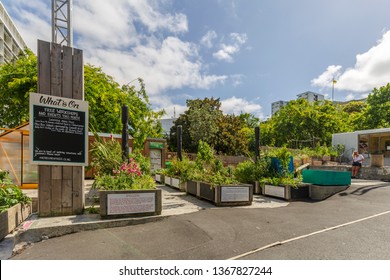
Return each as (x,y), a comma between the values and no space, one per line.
(311,96)
(276,106)
(11,42)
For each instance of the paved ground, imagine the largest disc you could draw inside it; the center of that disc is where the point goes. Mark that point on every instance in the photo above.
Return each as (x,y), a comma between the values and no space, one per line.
(354,224)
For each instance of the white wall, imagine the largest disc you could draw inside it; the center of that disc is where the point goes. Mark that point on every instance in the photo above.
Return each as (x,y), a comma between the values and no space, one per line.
(349,140)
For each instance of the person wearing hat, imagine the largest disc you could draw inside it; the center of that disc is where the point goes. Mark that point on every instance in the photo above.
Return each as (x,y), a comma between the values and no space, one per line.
(357,160)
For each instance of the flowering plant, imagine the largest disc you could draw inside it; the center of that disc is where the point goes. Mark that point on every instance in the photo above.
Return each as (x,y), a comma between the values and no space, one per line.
(128,176)
(131,169)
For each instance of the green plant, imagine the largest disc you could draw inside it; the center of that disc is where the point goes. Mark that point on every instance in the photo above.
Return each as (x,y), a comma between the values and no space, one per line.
(106,155)
(128,176)
(250,171)
(282,181)
(10,194)
(184,169)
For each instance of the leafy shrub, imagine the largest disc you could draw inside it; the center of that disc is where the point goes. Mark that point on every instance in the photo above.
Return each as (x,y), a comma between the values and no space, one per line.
(106,155)
(10,194)
(128,177)
(250,171)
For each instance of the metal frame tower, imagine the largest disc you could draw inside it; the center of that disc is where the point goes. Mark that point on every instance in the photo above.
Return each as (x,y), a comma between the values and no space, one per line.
(62,27)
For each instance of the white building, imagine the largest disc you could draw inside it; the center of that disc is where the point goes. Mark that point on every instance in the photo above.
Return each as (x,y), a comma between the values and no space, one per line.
(276,106)
(308,95)
(365,141)
(311,96)
(11,42)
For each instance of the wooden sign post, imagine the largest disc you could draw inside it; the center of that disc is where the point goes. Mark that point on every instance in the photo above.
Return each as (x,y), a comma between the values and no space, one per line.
(60,73)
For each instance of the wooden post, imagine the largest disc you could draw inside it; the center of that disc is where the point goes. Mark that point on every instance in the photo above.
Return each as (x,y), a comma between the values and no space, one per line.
(60,73)
(125,133)
(257,142)
(179,135)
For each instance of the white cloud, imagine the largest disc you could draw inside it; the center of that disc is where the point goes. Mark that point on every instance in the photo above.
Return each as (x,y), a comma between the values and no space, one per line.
(208,38)
(128,39)
(227,51)
(372,69)
(234,105)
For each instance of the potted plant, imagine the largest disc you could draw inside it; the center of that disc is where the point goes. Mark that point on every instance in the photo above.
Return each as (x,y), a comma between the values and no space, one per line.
(15,206)
(126,189)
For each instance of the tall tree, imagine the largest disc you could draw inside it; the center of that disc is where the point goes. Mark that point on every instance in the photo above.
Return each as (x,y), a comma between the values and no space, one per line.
(105,96)
(203,116)
(377,114)
(302,121)
(143,121)
(232,138)
(17,79)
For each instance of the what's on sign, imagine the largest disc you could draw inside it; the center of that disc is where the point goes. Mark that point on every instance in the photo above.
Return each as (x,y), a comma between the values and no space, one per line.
(59,130)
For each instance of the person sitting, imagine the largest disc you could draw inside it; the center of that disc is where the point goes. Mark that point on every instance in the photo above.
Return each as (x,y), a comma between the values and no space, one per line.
(357,160)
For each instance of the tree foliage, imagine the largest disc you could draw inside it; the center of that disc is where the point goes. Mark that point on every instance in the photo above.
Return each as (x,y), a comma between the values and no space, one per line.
(204,121)
(302,121)
(17,79)
(377,113)
(105,96)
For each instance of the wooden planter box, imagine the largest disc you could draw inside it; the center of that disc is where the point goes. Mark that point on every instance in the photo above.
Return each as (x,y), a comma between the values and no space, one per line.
(175,183)
(287,192)
(225,195)
(159,178)
(130,203)
(167,180)
(13,217)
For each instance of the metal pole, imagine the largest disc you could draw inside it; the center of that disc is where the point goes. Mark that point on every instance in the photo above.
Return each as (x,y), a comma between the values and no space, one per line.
(125,133)
(179,135)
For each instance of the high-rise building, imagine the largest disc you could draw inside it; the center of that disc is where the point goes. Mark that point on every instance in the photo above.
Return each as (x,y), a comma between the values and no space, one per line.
(311,96)
(277,105)
(11,42)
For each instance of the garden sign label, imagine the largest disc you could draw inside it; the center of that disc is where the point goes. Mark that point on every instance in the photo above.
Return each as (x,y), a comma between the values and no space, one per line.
(59,129)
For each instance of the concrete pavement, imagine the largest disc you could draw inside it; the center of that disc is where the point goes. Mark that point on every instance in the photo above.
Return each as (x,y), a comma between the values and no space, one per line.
(352,224)
(36,229)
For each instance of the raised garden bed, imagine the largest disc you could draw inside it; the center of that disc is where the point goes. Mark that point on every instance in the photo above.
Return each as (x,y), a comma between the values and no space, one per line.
(130,203)
(287,192)
(177,184)
(224,195)
(13,217)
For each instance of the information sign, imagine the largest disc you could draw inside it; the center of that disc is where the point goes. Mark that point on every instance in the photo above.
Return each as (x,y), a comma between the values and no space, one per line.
(59,130)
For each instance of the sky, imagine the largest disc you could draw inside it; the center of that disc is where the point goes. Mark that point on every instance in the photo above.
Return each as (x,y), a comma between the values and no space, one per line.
(248,53)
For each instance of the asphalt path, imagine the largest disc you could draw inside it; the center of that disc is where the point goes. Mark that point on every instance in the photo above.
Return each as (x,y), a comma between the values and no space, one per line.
(351,225)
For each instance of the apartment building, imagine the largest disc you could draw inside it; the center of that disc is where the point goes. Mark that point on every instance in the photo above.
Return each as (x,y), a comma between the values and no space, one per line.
(11,42)
(308,95)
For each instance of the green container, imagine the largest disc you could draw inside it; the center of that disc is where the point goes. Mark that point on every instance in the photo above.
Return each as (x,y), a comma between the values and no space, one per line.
(326,177)
(168,164)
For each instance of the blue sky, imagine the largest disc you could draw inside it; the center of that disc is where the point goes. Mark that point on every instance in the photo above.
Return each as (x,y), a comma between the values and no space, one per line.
(247,53)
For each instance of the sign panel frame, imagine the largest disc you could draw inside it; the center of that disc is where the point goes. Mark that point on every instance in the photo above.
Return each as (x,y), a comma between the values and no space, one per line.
(59,130)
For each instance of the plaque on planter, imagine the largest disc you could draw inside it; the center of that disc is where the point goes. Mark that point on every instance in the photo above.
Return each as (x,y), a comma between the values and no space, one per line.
(130,203)
(277,191)
(59,129)
(235,193)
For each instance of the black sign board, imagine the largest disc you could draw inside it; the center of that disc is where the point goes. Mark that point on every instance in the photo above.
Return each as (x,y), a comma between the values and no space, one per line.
(59,129)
